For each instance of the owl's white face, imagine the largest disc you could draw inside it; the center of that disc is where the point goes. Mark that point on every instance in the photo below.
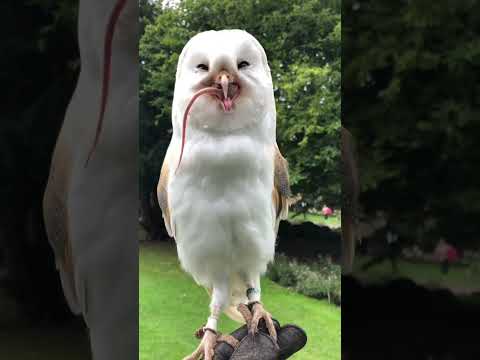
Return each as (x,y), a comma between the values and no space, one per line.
(233,62)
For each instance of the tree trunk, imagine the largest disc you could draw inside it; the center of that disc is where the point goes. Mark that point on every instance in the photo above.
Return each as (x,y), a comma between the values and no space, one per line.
(350,191)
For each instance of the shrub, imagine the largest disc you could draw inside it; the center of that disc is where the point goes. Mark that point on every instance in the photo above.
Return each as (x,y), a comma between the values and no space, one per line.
(320,279)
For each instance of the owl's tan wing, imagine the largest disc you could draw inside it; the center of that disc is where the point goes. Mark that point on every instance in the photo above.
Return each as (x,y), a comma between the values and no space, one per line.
(56,220)
(162,194)
(281,186)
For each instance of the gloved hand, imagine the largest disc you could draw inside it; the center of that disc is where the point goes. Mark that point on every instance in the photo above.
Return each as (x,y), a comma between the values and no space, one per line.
(240,345)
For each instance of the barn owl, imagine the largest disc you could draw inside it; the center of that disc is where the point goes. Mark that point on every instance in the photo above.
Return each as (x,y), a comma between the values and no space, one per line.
(223,185)
(87,207)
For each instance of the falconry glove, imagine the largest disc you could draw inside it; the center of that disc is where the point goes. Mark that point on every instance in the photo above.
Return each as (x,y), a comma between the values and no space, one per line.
(240,345)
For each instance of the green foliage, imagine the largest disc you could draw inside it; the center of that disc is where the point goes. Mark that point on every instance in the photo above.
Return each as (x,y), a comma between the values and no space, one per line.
(410,74)
(320,279)
(302,41)
(147,13)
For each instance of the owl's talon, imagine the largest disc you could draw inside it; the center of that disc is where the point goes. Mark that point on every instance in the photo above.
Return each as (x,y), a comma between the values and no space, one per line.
(200,332)
(259,312)
(206,348)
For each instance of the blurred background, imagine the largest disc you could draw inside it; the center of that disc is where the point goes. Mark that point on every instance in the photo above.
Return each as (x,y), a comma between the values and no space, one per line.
(302,40)
(39,65)
(410,90)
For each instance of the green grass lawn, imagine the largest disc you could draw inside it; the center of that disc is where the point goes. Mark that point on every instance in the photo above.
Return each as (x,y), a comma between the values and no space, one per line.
(172,307)
(459,278)
(332,221)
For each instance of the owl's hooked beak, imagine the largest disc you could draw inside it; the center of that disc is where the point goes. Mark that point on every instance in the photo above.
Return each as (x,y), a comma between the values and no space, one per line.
(230,89)
(224,81)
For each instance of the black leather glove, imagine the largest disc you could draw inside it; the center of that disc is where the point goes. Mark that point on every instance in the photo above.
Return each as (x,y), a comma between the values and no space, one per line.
(240,345)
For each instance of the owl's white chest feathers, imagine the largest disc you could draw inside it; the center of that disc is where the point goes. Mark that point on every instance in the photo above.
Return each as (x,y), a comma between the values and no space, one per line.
(221,203)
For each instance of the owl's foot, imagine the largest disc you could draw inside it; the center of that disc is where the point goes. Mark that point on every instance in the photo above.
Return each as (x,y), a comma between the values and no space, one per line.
(206,348)
(259,312)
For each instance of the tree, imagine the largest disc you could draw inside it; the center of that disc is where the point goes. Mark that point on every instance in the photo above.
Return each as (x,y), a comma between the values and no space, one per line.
(410,74)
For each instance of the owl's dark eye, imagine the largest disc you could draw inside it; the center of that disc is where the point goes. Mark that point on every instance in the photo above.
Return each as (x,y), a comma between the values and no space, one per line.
(243,64)
(202,67)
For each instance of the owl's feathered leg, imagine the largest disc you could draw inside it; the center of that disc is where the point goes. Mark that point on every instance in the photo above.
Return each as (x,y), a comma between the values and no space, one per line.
(209,334)
(258,311)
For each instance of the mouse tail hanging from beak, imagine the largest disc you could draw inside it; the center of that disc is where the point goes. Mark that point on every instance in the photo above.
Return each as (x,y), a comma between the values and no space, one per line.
(107,61)
(208,90)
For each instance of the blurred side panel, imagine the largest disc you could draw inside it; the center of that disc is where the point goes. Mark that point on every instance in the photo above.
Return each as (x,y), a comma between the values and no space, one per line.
(410,99)
(68,238)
